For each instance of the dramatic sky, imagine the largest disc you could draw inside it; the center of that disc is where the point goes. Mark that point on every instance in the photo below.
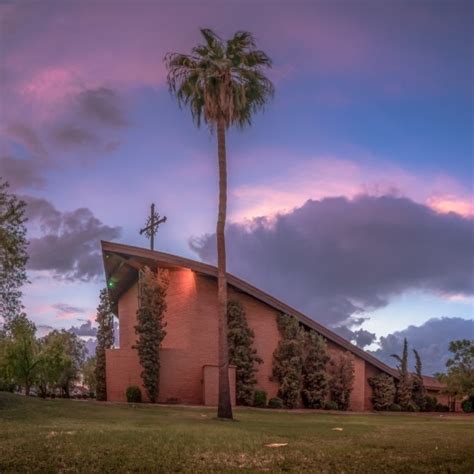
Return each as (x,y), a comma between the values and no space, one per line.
(350,197)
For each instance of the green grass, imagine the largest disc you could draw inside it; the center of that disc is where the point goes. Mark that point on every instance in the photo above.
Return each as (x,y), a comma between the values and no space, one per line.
(69,436)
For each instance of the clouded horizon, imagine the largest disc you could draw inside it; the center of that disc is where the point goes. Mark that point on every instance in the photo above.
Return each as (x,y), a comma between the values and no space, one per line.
(350,197)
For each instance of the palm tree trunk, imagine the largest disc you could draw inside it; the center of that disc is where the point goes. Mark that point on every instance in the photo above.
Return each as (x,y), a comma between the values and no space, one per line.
(224,409)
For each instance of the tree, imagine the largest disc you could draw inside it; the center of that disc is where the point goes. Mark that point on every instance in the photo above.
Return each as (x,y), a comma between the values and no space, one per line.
(89,374)
(13,254)
(150,326)
(315,380)
(242,354)
(288,360)
(222,82)
(105,340)
(418,386)
(341,379)
(404,395)
(383,391)
(459,378)
(22,352)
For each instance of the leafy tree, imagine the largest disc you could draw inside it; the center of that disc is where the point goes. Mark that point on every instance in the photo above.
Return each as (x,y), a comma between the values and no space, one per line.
(22,352)
(13,254)
(404,390)
(418,386)
(288,360)
(89,374)
(222,82)
(383,391)
(53,362)
(341,379)
(105,340)
(315,380)
(242,354)
(459,378)
(150,327)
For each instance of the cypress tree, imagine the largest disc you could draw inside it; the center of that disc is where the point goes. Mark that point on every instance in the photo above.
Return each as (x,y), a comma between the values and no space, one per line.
(150,327)
(242,354)
(341,379)
(404,384)
(418,387)
(105,340)
(383,391)
(315,380)
(288,360)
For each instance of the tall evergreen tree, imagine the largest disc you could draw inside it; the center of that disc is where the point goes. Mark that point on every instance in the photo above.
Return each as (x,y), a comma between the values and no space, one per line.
(222,82)
(13,252)
(242,354)
(315,380)
(341,379)
(418,387)
(288,360)
(404,383)
(105,340)
(150,326)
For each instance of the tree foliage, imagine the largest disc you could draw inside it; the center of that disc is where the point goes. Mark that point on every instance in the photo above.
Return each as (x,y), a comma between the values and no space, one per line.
(404,389)
(383,391)
(459,378)
(242,354)
(288,360)
(315,379)
(13,252)
(150,326)
(341,379)
(105,340)
(418,386)
(21,352)
(89,374)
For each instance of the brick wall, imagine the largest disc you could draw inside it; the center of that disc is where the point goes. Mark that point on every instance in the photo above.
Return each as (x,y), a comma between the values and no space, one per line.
(191,343)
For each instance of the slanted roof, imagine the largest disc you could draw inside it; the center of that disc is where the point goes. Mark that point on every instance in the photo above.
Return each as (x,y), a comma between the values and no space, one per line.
(122,262)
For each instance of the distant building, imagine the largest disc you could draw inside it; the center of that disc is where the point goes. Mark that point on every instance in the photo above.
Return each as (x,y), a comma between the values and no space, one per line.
(189,353)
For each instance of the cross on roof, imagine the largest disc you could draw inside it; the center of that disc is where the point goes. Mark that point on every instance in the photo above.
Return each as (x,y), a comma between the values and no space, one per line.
(151,228)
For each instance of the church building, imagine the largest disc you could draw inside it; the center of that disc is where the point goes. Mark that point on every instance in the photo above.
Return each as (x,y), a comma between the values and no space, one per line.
(189,352)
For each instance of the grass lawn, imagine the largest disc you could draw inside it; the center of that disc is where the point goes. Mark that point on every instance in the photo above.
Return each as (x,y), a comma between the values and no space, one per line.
(69,436)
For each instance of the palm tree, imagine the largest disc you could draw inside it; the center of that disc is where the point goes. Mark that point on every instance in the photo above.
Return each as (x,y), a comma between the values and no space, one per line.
(223,83)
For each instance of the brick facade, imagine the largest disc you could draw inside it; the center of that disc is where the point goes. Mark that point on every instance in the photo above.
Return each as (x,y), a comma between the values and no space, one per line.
(189,353)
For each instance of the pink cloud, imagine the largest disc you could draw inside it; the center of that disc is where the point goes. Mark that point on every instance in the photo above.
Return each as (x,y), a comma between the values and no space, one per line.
(319,177)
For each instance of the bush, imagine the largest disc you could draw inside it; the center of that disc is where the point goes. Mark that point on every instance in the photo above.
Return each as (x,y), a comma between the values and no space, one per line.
(395,407)
(441,407)
(466,406)
(275,402)
(133,394)
(331,405)
(384,391)
(412,406)
(260,399)
(430,403)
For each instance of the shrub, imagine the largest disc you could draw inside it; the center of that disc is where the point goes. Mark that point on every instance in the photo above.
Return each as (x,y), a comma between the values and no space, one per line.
(430,403)
(468,405)
(395,407)
(341,379)
(288,360)
(441,407)
(315,379)
(242,354)
(412,406)
(384,391)
(260,399)
(133,394)
(331,405)
(275,402)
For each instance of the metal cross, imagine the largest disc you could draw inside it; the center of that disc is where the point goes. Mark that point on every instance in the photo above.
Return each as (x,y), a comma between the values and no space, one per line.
(152,224)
